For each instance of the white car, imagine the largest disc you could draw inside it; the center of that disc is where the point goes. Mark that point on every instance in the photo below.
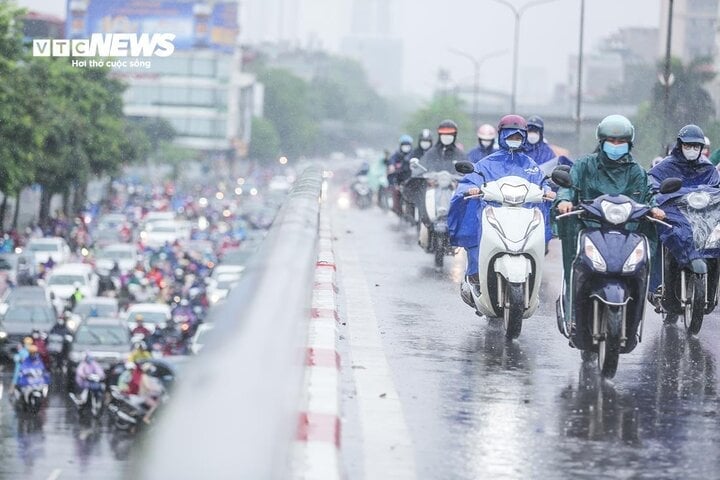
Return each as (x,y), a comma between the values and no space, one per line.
(62,280)
(157,233)
(153,314)
(163,216)
(219,287)
(49,247)
(198,340)
(124,254)
(111,221)
(226,270)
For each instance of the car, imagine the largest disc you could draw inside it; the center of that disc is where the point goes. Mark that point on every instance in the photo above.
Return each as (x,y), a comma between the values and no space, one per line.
(157,234)
(153,314)
(49,247)
(219,286)
(106,339)
(165,216)
(62,280)
(198,340)
(111,221)
(33,294)
(103,307)
(107,236)
(124,254)
(20,319)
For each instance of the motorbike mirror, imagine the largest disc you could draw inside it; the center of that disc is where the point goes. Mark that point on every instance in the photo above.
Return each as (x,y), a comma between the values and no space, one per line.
(414,161)
(464,167)
(564,168)
(561,177)
(670,185)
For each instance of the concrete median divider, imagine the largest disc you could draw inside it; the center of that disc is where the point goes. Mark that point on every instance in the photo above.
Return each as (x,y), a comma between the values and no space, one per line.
(261,400)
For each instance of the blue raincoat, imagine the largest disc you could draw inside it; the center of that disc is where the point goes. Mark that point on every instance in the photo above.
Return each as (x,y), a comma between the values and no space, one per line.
(546,159)
(480,152)
(464,216)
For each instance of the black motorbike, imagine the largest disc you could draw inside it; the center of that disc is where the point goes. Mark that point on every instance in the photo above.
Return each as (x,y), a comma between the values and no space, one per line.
(691,290)
(609,277)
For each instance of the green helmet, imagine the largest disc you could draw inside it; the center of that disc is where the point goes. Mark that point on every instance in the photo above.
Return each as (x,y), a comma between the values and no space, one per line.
(615,126)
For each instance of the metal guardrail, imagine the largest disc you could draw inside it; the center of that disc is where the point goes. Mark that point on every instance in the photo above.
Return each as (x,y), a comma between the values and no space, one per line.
(235,412)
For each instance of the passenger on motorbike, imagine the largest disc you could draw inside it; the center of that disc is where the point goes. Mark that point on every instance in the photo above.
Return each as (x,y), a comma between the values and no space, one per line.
(140,328)
(88,366)
(464,216)
(487,136)
(612,170)
(151,390)
(140,352)
(39,341)
(685,162)
(129,380)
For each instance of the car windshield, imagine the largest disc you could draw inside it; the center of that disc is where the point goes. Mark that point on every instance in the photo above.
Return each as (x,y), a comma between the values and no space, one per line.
(162,228)
(148,317)
(103,310)
(111,335)
(66,279)
(115,254)
(43,247)
(5,265)
(226,284)
(29,314)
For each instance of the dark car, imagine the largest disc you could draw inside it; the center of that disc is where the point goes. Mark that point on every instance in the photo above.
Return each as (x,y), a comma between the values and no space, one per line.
(20,319)
(106,339)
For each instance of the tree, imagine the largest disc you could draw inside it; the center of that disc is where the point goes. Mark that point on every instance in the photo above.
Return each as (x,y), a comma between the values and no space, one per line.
(438,109)
(265,141)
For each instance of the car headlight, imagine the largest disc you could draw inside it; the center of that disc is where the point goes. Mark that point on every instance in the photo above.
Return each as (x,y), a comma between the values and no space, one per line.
(514,194)
(635,257)
(698,200)
(616,213)
(215,297)
(3,335)
(71,325)
(593,254)
(75,357)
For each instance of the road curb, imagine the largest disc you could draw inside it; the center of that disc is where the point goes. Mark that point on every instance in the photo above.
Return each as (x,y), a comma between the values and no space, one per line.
(317,445)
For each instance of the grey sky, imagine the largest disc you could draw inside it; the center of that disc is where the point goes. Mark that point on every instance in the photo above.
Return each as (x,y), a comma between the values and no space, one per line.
(549,34)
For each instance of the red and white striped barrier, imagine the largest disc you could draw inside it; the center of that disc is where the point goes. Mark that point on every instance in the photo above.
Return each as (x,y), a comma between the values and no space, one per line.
(318,441)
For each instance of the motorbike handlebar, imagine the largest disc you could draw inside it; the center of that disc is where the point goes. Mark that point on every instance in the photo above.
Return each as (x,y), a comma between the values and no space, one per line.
(665,224)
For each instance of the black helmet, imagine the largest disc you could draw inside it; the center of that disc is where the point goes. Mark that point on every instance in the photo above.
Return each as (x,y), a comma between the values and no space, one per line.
(537,122)
(691,134)
(447,127)
(515,122)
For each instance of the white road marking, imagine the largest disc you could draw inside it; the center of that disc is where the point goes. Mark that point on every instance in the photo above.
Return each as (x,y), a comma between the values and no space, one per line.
(387,445)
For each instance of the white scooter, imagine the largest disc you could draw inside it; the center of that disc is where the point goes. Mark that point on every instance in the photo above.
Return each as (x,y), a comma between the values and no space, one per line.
(511,253)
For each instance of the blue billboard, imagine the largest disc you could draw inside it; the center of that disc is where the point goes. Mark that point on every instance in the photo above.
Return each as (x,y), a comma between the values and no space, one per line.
(195,24)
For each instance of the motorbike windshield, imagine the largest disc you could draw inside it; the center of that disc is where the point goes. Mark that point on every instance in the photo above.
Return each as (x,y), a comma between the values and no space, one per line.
(702,210)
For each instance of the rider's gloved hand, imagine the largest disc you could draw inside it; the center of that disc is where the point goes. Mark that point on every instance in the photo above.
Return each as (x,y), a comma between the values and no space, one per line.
(564,207)
(473,191)
(657,213)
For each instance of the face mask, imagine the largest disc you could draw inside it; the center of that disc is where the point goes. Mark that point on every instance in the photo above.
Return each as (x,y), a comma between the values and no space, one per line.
(486,143)
(533,138)
(690,153)
(405,148)
(447,139)
(615,152)
(513,144)
(425,144)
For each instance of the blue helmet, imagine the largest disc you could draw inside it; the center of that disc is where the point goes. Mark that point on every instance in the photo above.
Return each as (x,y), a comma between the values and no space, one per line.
(405,139)
(691,134)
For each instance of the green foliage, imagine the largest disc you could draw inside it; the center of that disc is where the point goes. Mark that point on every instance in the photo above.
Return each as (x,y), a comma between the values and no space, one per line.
(438,109)
(265,141)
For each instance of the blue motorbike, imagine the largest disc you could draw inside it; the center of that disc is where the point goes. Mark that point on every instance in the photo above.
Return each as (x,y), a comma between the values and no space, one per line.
(609,278)
(31,389)
(690,289)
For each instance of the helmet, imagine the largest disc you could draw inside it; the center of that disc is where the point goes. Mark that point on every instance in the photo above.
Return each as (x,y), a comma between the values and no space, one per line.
(615,126)
(140,346)
(486,132)
(515,122)
(447,127)
(87,356)
(691,134)
(405,139)
(139,318)
(27,341)
(425,135)
(537,122)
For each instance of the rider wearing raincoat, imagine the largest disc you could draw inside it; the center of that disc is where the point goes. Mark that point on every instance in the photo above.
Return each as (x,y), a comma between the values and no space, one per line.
(464,216)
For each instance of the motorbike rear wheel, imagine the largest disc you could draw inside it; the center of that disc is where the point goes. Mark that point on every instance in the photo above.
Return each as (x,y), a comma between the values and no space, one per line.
(695,308)
(513,308)
(609,346)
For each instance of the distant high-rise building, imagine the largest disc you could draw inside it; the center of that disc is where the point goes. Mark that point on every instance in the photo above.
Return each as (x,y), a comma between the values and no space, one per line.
(693,29)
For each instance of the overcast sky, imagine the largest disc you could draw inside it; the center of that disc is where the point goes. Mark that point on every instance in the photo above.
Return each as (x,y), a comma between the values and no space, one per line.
(548,34)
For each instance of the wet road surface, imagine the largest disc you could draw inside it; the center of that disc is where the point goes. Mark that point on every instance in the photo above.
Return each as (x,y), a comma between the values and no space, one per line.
(477,406)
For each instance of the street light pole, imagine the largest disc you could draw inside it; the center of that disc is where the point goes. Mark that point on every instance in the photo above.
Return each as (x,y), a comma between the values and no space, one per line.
(578,100)
(667,80)
(477,63)
(518,13)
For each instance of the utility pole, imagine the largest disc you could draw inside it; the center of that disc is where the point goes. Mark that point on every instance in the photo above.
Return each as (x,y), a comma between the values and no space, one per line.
(578,101)
(667,79)
(477,63)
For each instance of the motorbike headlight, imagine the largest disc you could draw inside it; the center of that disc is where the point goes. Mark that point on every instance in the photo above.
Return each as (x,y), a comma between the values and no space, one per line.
(71,324)
(698,200)
(713,238)
(514,194)
(593,254)
(616,213)
(635,257)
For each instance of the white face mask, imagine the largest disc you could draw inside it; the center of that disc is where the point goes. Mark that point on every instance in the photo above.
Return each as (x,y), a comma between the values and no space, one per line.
(425,144)
(447,139)
(690,153)
(405,148)
(513,144)
(486,143)
(533,137)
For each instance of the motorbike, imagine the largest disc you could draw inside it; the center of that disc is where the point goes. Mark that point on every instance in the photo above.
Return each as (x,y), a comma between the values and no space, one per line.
(362,192)
(58,346)
(91,399)
(511,251)
(609,277)
(433,234)
(687,290)
(31,389)
(127,411)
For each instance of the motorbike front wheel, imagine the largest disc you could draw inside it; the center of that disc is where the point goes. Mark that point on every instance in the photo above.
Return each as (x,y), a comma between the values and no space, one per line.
(609,345)
(695,307)
(513,308)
